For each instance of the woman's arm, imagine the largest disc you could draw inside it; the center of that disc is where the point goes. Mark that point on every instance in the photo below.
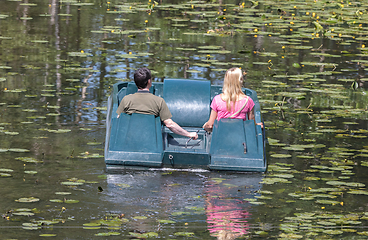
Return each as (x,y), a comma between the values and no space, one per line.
(209,124)
(252,117)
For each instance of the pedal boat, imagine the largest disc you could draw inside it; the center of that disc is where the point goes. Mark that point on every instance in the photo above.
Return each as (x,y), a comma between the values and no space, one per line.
(141,141)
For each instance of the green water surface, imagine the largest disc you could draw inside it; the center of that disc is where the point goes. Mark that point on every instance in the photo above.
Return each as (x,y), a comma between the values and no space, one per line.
(305,59)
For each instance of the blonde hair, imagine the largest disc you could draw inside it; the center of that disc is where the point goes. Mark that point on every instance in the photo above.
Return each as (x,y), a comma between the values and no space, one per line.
(232,87)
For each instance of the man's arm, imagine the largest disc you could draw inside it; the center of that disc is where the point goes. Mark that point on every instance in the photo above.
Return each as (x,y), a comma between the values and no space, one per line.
(175,128)
(121,107)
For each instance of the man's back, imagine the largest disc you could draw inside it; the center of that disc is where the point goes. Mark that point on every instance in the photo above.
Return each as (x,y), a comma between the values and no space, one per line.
(145,103)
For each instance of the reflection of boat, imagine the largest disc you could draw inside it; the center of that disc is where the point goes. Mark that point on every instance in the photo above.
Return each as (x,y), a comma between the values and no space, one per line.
(178,190)
(140,140)
(204,199)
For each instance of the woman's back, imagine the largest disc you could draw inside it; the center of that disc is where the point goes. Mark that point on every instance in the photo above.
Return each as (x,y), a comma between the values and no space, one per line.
(219,105)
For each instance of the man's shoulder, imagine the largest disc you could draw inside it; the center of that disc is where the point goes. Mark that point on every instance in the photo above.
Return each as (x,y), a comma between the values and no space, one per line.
(128,97)
(148,95)
(143,96)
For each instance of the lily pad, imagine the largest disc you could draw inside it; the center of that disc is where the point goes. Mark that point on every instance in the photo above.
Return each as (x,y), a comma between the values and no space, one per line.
(71,201)
(91,224)
(63,193)
(281,155)
(354,184)
(165,221)
(18,150)
(28,200)
(47,235)
(180,213)
(326,223)
(30,224)
(358,192)
(23,213)
(144,235)
(184,234)
(47,222)
(5,174)
(108,234)
(72,183)
(331,202)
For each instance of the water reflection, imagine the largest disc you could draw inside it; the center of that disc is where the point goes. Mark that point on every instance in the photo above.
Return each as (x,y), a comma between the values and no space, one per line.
(209,199)
(226,217)
(226,208)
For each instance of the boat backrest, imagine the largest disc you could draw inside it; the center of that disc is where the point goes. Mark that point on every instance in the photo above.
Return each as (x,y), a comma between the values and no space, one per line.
(188,100)
(237,145)
(129,131)
(132,88)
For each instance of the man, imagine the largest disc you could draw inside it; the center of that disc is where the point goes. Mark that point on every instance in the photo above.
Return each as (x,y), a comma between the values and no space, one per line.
(146,103)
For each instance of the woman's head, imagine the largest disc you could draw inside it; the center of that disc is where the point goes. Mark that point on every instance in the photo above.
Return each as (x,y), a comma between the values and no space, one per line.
(233,80)
(232,87)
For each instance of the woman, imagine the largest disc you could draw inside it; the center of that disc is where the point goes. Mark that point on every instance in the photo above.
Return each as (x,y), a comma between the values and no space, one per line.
(232,103)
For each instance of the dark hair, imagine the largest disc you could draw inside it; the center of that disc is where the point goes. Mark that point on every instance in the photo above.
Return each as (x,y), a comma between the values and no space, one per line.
(141,77)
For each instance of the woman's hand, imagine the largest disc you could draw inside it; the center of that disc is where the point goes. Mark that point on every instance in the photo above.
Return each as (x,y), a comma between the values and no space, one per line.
(207,127)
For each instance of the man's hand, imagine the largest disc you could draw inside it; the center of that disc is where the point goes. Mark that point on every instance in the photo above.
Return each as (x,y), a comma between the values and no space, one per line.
(193,135)
(175,128)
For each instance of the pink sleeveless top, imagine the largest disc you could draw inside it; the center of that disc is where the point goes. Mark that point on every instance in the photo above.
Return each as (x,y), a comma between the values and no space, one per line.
(219,106)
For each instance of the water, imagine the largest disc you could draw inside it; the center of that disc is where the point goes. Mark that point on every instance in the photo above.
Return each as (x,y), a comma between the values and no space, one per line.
(59,59)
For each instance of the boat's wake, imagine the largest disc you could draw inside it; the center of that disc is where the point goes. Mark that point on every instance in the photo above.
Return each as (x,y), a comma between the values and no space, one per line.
(179,170)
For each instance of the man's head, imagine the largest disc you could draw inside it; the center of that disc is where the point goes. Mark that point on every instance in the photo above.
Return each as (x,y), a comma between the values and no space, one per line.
(141,77)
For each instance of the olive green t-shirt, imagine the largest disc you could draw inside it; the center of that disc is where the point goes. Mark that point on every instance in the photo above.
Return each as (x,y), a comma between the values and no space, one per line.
(145,103)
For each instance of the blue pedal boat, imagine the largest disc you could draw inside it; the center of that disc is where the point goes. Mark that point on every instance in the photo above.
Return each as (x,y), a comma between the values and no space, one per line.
(141,141)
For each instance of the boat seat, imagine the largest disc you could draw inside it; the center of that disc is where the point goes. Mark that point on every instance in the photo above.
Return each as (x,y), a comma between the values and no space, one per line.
(189,101)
